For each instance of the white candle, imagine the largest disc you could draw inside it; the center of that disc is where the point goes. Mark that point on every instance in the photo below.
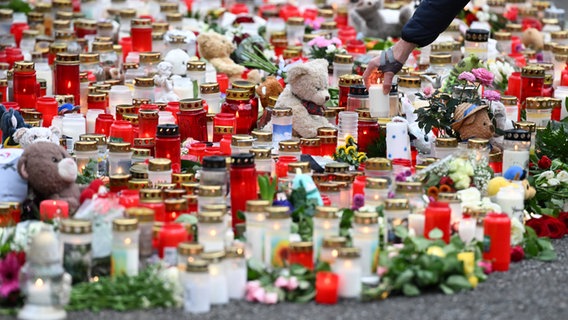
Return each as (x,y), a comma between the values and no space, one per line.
(366,239)
(91,116)
(379,104)
(255,234)
(416,223)
(211,230)
(512,201)
(398,142)
(183,88)
(196,287)
(236,269)
(39,293)
(276,236)
(467,229)
(348,269)
(218,283)
(326,223)
(515,158)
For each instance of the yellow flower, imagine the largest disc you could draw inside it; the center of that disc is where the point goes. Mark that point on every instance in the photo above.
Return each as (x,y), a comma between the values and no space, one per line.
(468,260)
(359,154)
(341,149)
(436,251)
(349,140)
(351,150)
(473,280)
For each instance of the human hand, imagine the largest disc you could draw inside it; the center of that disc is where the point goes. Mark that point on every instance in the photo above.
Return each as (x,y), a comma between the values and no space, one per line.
(389,63)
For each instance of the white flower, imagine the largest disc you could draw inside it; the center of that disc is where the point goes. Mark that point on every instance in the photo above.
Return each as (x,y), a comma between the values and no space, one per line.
(547,175)
(553,182)
(517,231)
(330,49)
(469,195)
(562,176)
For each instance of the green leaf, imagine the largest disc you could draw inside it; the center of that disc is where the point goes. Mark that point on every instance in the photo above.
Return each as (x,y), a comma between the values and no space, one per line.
(403,278)
(307,297)
(298,270)
(547,255)
(401,232)
(435,234)
(458,282)
(410,290)
(186,219)
(446,289)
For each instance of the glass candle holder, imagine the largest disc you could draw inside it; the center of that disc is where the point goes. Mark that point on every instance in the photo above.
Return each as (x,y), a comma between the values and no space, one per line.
(196,73)
(349,270)
(367,133)
(358,98)
(217,276)
(76,237)
(331,190)
(409,86)
(532,82)
(295,30)
(141,35)
(144,88)
(301,253)
(326,224)
(159,171)
(125,239)
(152,199)
(342,65)
(366,238)
(476,43)
(376,191)
(255,218)
(328,145)
(263,161)
(238,104)
(516,149)
(147,123)
(348,126)
(119,158)
(503,41)
(445,147)
(168,145)
(188,252)
(171,235)
(25,84)
(149,63)
(330,248)
(145,217)
(74,125)
(236,268)
(212,96)
(290,148)
(243,183)
(214,172)
(413,191)
(210,195)
(223,123)
(511,108)
(174,207)
(211,230)
(192,119)
(85,151)
(276,236)
(196,285)
(538,110)
(281,125)
(66,76)
(262,139)
(396,214)
(311,146)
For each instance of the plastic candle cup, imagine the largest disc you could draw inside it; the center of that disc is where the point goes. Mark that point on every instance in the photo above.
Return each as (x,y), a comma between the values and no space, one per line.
(144,89)
(145,217)
(331,190)
(141,35)
(174,208)
(516,149)
(532,82)
(263,161)
(497,235)
(196,287)
(236,269)
(345,82)
(238,103)
(168,145)
(125,247)
(76,237)
(25,84)
(376,191)
(152,199)
(188,252)
(85,151)
(476,43)
(438,216)
(159,171)
(301,253)
(211,94)
(348,269)
(327,286)
(326,224)
(170,236)
(217,277)
(342,65)
(276,236)
(281,125)
(453,200)
(255,216)
(366,239)
(66,80)
(243,183)
(396,211)
(330,248)
(538,110)
(119,158)
(211,230)
(413,191)
(210,195)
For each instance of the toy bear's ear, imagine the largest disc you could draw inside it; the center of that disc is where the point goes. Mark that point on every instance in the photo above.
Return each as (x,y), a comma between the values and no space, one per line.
(297,72)
(56,131)
(22,166)
(19,134)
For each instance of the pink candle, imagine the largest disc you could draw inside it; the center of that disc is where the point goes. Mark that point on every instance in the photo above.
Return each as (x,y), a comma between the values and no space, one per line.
(51,209)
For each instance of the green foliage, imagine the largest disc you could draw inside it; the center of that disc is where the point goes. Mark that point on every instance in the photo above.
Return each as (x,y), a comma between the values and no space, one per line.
(333,98)
(18,6)
(553,141)
(122,293)
(89,173)
(349,153)
(438,114)
(303,213)
(268,187)
(189,166)
(537,248)
(7,239)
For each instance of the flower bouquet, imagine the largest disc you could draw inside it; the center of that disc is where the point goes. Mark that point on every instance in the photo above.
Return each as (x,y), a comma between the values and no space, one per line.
(550,179)
(322,48)
(349,153)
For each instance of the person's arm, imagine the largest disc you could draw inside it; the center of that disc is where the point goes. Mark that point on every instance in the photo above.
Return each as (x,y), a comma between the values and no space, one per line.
(430,19)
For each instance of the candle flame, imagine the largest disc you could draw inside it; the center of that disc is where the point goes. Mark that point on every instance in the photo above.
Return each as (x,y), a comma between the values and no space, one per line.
(334,253)
(213,233)
(127,241)
(39,283)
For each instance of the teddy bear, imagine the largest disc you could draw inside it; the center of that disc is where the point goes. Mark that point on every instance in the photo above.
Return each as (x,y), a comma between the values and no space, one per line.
(533,39)
(270,87)
(369,20)
(306,93)
(51,173)
(472,121)
(217,49)
(27,136)
(10,121)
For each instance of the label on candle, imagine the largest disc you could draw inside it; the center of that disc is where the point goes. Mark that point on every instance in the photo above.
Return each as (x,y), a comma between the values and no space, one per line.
(281,132)
(124,261)
(515,158)
(170,256)
(77,261)
(279,251)
(486,243)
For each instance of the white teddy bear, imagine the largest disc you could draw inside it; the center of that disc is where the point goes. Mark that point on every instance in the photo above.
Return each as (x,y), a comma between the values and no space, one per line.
(27,136)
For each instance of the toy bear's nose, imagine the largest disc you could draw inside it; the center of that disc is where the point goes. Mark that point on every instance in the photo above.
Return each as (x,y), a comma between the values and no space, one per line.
(492,128)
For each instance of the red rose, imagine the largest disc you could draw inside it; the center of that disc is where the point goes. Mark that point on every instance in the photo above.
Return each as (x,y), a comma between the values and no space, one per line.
(517,253)
(539,227)
(544,163)
(563,217)
(447,181)
(556,228)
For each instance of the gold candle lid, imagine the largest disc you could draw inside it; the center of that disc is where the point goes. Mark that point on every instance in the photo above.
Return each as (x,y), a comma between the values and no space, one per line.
(439,58)
(140,213)
(209,88)
(144,82)
(509,100)
(214,256)
(409,82)
(326,212)
(334,242)
(304,167)
(257,205)
(150,195)
(187,248)
(180,178)
(235,252)
(124,224)
(310,142)
(366,218)
(140,153)
(343,59)
(282,112)
(327,131)
(301,246)
(278,212)
(216,207)
(197,266)
(449,197)
(140,22)
(241,140)
(477,143)
(348,253)
(85,146)
(238,94)
(409,187)
(446,143)
(289,146)
(334,167)
(137,184)
(150,57)
(119,147)
(190,104)
(537,103)
(209,191)
(160,164)
(376,183)
(190,187)
(350,79)
(210,216)
(176,204)
(396,204)
(261,153)
(262,136)
(378,164)
(76,226)
(196,66)
(532,71)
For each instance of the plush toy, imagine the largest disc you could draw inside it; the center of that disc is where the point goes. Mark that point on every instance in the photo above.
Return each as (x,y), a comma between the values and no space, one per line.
(51,173)
(306,93)
(10,121)
(368,19)
(270,87)
(163,81)
(217,49)
(472,121)
(533,39)
(27,136)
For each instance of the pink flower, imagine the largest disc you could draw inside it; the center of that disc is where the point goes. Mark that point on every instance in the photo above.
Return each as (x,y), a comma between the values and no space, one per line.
(358,201)
(483,76)
(320,42)
(491,95)
(259,294)
(428,91)
(467,76)
(316,23)
(9,270)
(271,298)
(381,271)
(486,266)
(336,41)
(281,282)
(292,283)
(252,285)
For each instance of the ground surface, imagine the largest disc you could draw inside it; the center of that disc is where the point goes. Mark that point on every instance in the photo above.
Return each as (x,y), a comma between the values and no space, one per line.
(530,290)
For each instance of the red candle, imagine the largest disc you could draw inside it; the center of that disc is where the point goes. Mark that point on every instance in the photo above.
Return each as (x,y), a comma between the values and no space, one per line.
(147,123)
(141,34)
(327,284)
(223,123)
(212,151)
(238,103)
(48,108)
(52,209)
(129,198)
(359,185)
(173,107)
(514,86)
(152,199)
(356,47)
(3,90)
(103,123)
(301,253)
(438,216)
(239,8)
(169,238)
(66,76)
(282,165)
(126,44)
(192,120)
(532,82)
(243,183)
(121,131)
(311,146)
(497,240)
(223,81)
(564,77)
(328,145)
(168,145)
(145,143)
(196,151)
(25,84)
(367,133)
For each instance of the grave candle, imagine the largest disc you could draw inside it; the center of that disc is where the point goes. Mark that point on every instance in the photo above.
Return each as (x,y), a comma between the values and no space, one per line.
(327,286)
(236,268)
(53,209)
(196,287)
(516,148)
(379,104)
(366,240)
(326,223)
(301,253)
(171,235)
(168,145)
(466,229)
(141,35)
(211,230)
(66,80)
(243,183)
(416,223)
(217,277)
(395,213)
(438,216)
(188,252)
(145,217)
(125,247)
(497,236)
(25,84)
(330,248)
(376,191)
(255,215)
(348,269)
(276,236)
(76,237)
(511,199)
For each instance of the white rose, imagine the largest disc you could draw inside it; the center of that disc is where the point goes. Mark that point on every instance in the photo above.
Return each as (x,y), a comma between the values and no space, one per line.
(517,232)
(562,176)
(330,49)
(553,182)
(547,175)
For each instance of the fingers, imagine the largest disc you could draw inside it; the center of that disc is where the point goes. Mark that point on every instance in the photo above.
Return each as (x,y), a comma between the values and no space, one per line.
(372,67)
(387,82)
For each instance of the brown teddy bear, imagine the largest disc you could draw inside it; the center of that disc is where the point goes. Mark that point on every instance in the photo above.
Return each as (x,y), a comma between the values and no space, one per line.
(533,39)
(51,173)
(217,49)
(270,87)
(472,121)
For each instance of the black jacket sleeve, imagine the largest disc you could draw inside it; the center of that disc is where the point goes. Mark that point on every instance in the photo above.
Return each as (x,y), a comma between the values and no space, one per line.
(430,19)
